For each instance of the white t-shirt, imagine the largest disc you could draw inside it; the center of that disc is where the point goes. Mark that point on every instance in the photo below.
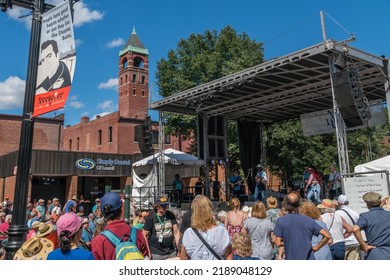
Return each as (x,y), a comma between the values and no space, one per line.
(336,228)
(217,238)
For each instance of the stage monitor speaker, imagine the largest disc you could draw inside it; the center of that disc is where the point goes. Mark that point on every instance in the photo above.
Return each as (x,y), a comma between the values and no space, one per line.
(143,137)
(350,97)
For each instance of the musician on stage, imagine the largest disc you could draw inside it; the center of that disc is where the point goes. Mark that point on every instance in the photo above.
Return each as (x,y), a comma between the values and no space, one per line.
(334,183)
(261,183)
(235,183)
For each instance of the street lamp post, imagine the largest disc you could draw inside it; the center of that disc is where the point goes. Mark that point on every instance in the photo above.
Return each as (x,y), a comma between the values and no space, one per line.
(18,229)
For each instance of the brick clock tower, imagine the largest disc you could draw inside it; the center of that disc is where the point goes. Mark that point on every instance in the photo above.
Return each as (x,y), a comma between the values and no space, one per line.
(133,93)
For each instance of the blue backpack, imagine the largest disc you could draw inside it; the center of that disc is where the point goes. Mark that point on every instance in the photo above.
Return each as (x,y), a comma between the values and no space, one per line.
(124,250)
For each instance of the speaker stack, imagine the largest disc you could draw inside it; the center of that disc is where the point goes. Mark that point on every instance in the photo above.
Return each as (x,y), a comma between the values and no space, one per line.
(349,96)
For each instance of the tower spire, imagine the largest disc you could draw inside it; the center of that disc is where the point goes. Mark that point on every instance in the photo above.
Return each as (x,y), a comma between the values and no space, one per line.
(133,30)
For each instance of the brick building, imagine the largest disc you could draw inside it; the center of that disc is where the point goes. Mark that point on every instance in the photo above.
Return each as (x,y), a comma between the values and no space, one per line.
(84,158)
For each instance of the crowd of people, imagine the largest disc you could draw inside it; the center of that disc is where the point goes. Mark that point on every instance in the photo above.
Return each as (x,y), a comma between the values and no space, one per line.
(305,226)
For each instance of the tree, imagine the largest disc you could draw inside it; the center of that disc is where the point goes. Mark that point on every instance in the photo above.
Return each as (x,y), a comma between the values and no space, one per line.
(199,59)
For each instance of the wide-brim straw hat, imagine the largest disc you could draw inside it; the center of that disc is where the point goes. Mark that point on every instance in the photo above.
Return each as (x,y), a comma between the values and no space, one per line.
(34,249)
(44,229)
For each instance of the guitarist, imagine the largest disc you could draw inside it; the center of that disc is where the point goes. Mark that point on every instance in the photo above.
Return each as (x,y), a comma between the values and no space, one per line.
(334,183)
(261,182)
(235,183)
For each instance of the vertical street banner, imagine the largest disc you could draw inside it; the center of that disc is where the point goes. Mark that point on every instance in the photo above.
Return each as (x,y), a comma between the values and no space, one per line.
(57,60)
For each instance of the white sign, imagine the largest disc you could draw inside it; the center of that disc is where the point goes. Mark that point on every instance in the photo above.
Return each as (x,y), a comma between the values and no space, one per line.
(356,187)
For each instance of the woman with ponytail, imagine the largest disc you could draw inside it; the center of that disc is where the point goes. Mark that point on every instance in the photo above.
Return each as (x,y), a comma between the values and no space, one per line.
(69,230)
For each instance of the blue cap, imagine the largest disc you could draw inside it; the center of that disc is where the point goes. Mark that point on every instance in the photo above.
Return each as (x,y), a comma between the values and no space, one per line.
(112,199)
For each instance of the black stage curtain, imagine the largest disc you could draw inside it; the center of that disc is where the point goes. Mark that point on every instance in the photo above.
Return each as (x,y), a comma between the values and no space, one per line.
(249,145)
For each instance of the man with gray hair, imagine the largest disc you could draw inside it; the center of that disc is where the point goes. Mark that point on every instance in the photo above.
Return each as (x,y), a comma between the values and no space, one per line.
(352,247)
(376,224)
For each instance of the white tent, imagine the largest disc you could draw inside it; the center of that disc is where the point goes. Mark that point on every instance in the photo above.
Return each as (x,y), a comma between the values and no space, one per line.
(375,165)
(145,173)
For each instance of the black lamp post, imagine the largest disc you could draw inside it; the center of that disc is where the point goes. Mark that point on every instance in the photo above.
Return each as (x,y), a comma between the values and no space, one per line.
(18,229)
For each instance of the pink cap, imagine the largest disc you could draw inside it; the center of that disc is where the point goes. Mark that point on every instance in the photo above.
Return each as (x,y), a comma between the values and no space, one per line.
(69,221)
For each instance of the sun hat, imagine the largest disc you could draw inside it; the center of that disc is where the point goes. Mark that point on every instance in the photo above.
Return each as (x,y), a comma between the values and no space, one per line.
(272,202)
(372,198)
(41,201)
(325,203)
(112,199)
(35,225)
(85,221)
(34,249)
(101,221)
(55,199)
(162,200)
(44,229)
(69,221)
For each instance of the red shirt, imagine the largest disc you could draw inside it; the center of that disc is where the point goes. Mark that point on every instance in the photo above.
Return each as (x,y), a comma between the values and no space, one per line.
(101,247)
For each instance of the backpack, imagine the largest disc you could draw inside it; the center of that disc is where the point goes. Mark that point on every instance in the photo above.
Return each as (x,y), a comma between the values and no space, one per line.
(124,250)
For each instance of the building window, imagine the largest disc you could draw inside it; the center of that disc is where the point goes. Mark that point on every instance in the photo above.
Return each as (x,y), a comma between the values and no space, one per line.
(167,139)
(110,134)
(99,137)
(143,93)
(154,136)
(143,80)
(134,91)
(121,80)
(78,144)
(134,78)
(70,144)
(126,78)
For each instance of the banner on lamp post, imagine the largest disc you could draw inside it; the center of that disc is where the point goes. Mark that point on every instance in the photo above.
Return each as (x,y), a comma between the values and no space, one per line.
(57,60)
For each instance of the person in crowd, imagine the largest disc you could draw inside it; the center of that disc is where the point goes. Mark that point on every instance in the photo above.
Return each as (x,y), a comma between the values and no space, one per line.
(71,205)
(221,217)
(2,217)
(352,247)
(306,176)
(178,185)
(337,227)
(4,226)
(376,224)
(101,247)
(313,185)
(34,249)
(100,226)
(273,210)
(334,183)
(310,210)
(69,230)
(162,231)
(41,209)
(259,229)
(96,207)
(235,218)
(87,235)
(204,224)
(199,186)
(32,218)
(4,203)
(294,232)
(92,222)
(55,210)
(235,183)
(34,229)
(47,231)
(242,247)
(261,183)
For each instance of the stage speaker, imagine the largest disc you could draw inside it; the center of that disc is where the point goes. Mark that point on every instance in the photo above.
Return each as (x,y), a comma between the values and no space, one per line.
(349,96)
(144,138)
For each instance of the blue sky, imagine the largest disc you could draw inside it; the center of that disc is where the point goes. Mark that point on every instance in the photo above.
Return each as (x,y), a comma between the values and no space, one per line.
(101,29)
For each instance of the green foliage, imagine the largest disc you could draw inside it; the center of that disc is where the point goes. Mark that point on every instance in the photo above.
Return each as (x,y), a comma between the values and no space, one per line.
(199,59)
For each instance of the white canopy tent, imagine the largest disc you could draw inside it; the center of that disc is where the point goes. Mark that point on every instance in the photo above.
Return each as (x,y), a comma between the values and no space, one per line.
(375,165)
(145,174)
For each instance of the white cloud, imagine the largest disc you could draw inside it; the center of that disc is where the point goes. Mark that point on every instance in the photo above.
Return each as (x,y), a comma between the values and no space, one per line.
(102,114)
(78,42)
(76,104)
(112,83)
(73,97)
(115,43)
(12,93)
(107,105)
(84,15)
(84,114)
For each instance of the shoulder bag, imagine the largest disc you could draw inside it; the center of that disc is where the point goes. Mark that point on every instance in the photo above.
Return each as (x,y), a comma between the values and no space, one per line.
(206,244)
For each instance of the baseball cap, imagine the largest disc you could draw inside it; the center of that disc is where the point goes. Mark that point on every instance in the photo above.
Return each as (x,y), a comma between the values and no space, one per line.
(372,198)
(342,199)
(161,200)
(112,199)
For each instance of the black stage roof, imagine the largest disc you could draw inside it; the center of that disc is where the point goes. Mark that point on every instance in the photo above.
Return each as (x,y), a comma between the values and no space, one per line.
(282,88)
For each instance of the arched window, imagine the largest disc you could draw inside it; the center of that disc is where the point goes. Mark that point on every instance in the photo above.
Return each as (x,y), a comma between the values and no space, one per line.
(138,62)
(124,63)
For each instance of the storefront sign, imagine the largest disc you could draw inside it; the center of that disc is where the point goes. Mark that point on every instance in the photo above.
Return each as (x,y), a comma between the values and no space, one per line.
(101,164)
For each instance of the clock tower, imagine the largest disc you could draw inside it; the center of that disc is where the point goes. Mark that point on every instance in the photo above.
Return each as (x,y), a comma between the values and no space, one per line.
(133,79)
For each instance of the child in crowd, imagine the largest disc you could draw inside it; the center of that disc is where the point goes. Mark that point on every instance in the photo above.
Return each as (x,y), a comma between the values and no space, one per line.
(242,247)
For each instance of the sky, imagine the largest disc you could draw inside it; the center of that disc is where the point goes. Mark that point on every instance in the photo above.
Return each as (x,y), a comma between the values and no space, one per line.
(101,28)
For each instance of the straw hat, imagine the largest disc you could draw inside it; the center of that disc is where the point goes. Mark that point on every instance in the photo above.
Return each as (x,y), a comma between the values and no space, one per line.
(272,202)
(325,203)
(44,229)
(34,249)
